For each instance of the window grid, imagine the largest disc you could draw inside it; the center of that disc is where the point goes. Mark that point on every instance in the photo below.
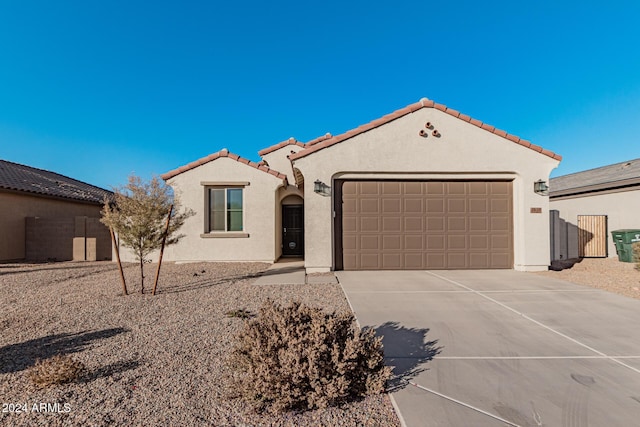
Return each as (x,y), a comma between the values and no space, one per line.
(225,209)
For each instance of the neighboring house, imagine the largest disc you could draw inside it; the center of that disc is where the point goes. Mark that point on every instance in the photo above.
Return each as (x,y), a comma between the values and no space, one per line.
(424,187)
(48,216)
(587,206)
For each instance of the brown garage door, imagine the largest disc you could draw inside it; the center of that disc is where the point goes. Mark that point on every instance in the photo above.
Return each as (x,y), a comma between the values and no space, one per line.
(425,225)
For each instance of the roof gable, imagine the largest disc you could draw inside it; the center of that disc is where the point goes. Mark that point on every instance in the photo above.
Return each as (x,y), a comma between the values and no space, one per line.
(423,103)
(26,179)
(223,153)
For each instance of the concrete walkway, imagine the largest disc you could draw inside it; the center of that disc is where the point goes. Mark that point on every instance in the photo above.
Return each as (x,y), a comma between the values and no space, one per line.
(502,348)
(290,271)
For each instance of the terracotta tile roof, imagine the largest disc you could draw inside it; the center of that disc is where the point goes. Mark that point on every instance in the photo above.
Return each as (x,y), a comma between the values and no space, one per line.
(290,141)
(319,139)
(423,103)
(26,179)
(223,153)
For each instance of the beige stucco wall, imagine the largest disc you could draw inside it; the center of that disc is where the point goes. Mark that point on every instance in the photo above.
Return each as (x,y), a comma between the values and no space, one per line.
(259,222)
(17,207)
(622,210)
(464,151)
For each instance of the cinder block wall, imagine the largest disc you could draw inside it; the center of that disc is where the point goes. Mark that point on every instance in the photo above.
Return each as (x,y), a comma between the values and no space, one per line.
(52,239)
(49,239)
(15,207)
(96,229)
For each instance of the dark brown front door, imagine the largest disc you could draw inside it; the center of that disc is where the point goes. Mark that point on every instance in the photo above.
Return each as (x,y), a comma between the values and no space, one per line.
(293,230)
(398,225)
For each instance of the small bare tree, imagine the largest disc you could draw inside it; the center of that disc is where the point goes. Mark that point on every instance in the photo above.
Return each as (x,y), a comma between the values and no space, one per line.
(139,214)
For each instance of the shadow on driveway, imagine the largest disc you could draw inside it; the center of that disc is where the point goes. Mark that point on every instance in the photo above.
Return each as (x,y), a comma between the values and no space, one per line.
(406,350)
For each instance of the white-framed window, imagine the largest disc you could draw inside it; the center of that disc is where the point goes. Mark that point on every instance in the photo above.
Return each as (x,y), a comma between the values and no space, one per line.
(225,208)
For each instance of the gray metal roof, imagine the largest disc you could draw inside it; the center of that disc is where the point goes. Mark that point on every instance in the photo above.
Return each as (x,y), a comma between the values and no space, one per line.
(21,178)
(616,175)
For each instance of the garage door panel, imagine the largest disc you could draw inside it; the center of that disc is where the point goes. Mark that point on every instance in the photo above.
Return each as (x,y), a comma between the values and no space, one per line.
(500,223)
(457,224)
(391,242)
(434,206)
(413,242)
(479,242)
(456,188)
(391,206)
(349,188)
(413,205)
(413,261)
(478,206)
(413,188)
(392,224)
(427,225)
(369,242)
(436,242)
(500,242)
(370,261)
(457,242)
(457,260)
(392,261)
(349,243)
(501,260)
(368,188)
(456,206)
(369,224)
(478,188)
(435,225)
(501,188)
(350,224)
(479,260)
(413,224)
(391,188)
(478,224)
(369,206)
(500,206)
(349,206)
(435,188)
(435,260)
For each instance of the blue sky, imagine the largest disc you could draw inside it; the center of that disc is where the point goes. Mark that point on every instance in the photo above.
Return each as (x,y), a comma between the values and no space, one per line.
(99,90)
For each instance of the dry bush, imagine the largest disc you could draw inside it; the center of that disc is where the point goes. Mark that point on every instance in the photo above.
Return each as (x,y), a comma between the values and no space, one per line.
(298,357)
(55,370)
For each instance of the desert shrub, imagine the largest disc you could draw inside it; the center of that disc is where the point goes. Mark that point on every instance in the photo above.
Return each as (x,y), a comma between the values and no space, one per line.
(297,357)
(636,254)
(55,370)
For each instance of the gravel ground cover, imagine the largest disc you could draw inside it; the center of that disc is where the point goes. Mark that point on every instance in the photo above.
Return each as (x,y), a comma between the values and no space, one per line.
(607,274)
(151,360)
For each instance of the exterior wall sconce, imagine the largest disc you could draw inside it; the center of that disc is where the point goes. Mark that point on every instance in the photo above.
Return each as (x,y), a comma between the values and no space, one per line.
(321,188)
(540,187)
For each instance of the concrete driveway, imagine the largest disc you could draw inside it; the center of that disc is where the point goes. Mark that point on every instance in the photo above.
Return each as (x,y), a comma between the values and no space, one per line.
(496,348)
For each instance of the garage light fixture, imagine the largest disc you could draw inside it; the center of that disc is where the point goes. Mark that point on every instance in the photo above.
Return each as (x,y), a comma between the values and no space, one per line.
(540,187)
(321,188)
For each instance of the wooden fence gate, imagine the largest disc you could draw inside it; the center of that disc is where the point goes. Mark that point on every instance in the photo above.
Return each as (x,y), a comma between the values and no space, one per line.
(592,236)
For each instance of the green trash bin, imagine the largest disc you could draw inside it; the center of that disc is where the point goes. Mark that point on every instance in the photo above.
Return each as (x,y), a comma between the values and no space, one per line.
(624,240)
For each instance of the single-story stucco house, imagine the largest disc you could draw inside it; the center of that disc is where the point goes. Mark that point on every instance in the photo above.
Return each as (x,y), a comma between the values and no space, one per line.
(46,216)
(586,206)
(424,187)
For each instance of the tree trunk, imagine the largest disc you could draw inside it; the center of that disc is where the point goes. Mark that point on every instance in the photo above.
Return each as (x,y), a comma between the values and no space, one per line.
(141,275)
(117,250)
